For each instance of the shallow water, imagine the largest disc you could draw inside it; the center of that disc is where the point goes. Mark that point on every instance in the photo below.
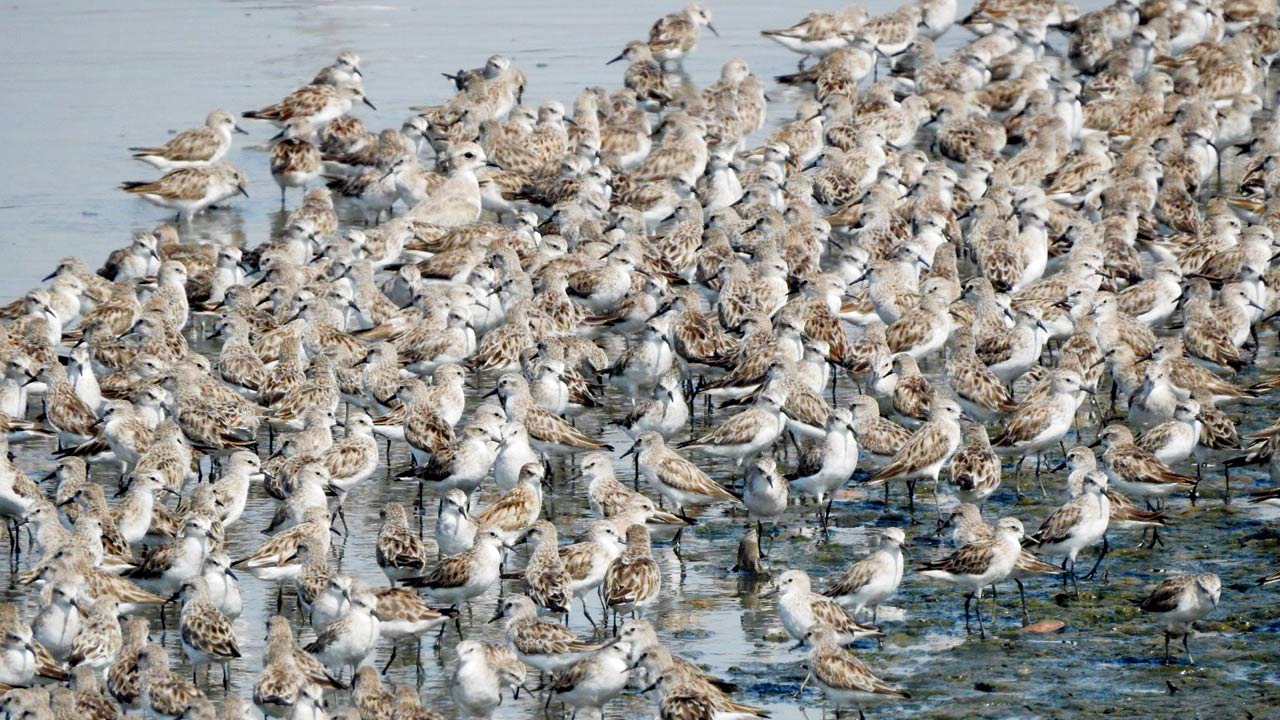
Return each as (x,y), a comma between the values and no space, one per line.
(85,80)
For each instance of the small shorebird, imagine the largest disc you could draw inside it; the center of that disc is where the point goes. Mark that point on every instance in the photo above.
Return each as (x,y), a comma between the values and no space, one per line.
(161,692)
(633,580)
(350,639)
(461,578)
(928,449)
(99,642)
(455,530)
(674,36)
(642,638)
(409,706)
(516,510)
(123,677)
(404,614)
(666,413)
(979,390)
(514,452)
(345,70)
(222,585)
(190,190)
(546,580)
(765,492)
(1042,422)
(677,479)
(975,468)
(351,459)
(294,160)
(596,679)
(1137,472)
(879,438)
(1174,441)
(166,567)
(462,464)
(279,559)
(749,560)
(399,552)
(199,147)
(644,75)
(588,561)
(979,564)
(548,432)
(540,643)
(746,434)
(369,696)
(316,104)
(801,610)
(286,669)
(844,679)
(484,670)
(207,635)
(1179,601)
(59,620)
(827,464)
(819,33)
(873,579)
(1078,525)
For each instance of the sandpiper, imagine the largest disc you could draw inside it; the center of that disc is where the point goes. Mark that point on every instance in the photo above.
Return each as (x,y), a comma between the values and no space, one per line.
(632,581)
(162,692)
(595,680)
(207,635)
(199,147)
(801,610)
(979,564)
(191,190)
(399,552)
(484,670)
(677,479)
(350,639)
(928,449)
(404,614)
(539,642)
(100,639)
(874,579)
(844,679)
(460,578)
(588,561)
(1078,525)
(546,580)
(1178,602)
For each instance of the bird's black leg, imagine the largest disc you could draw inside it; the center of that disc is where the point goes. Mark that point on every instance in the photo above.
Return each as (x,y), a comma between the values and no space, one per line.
(1022,595)
(1101,555)
(394,648)
(1043,493)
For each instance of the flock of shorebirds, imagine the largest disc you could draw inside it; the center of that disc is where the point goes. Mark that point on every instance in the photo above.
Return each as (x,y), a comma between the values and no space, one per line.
(1072,246)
